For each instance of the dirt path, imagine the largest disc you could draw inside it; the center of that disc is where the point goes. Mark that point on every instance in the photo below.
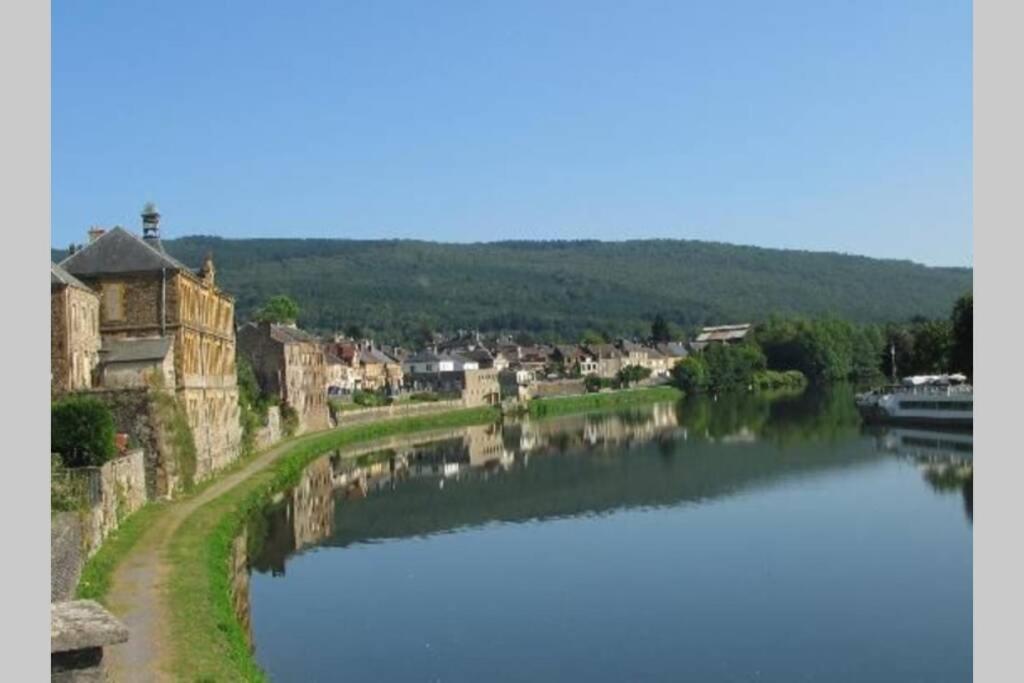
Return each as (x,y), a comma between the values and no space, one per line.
(139,583)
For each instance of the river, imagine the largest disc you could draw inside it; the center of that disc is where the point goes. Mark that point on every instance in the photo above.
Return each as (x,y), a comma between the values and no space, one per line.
(743,539)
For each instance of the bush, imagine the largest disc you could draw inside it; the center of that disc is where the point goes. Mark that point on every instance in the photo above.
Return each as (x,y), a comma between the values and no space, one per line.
(289,420)
(691,374)
(82,431)
(772,379)
(631,374)
(65,491)
(593,383)
(424,397)
(369,399)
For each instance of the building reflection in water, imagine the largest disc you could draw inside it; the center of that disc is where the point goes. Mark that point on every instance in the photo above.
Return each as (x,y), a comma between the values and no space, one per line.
(306,515)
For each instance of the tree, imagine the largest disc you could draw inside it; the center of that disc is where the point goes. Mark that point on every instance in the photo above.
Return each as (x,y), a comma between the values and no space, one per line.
(592,337)
(82,431)
(961,353)
(691,374)
(659,330)
(932,342)
(279,309)
(631,374)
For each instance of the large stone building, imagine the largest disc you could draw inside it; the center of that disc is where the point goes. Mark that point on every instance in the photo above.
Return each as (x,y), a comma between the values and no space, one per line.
(289,365)
(145,294)
(74,332)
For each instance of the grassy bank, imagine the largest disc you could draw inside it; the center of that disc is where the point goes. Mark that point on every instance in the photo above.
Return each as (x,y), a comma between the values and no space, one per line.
(94,582)
(206,640)
(545,407)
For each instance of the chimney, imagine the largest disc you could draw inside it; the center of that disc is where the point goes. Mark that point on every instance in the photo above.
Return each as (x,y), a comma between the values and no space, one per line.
(94,233)
(151,225)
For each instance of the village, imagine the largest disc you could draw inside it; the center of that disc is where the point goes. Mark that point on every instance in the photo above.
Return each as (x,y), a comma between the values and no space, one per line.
(128,317)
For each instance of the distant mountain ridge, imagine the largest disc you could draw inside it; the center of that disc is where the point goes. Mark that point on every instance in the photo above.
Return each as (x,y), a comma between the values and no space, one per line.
(395,288)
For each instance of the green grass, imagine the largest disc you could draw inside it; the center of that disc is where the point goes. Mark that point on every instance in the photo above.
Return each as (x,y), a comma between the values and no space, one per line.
(546,407)
(207,641)
(94,583)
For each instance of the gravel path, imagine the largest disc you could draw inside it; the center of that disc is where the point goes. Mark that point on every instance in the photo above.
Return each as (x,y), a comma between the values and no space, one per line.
(139,584)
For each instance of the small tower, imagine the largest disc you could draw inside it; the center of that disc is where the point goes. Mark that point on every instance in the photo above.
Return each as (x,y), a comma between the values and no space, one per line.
(151,225)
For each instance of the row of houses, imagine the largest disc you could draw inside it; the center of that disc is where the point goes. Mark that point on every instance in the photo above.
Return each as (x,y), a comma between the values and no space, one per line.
(125,314)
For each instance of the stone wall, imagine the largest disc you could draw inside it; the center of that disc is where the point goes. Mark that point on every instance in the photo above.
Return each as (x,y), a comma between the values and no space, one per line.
(114,490)
(67,554)
(401,410)
(561,387)
(270,433)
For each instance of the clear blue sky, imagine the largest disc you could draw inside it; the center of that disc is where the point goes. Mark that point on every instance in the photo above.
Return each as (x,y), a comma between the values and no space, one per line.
(841,126)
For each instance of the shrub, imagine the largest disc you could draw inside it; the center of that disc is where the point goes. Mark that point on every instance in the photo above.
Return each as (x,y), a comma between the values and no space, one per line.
(82,431)
(369,399)
(65,491)
(289,420)
(631,374)
(691,374)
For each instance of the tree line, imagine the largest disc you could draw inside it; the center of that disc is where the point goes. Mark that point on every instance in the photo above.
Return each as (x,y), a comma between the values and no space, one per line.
(829,350)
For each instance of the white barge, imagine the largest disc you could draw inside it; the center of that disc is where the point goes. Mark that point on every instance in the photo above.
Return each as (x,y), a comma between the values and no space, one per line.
(925,400)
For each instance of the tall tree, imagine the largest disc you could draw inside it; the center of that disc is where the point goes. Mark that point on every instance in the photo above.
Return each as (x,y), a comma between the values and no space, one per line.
(962,351)
(279,309)
(659,330)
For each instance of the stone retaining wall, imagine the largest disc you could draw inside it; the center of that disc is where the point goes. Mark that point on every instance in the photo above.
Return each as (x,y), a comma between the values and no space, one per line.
(400,410)
(560,387)
(270,433)
(113,491)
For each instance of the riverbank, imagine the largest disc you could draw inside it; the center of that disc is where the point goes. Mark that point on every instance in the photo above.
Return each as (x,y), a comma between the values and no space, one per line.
(548,407)
(205,639)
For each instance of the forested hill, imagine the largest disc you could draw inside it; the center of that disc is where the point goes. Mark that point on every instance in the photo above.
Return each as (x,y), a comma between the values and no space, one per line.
(395,288)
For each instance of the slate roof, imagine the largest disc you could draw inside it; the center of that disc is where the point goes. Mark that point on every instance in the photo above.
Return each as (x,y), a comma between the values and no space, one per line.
(135,350)
(119,251)
(62,278)
(674,350)
(723,333)
(291,335)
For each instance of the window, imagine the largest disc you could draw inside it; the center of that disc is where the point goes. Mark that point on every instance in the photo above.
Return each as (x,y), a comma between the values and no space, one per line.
(113,301)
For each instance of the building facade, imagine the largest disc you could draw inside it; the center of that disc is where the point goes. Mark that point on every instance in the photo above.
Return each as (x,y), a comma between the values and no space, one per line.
(74,333)
(289,365)
(145,293)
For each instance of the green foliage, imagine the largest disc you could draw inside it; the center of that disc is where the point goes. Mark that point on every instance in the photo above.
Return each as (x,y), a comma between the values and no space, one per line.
(691,374)
(289,420)
(824,350)
(769,380)
(66,493)
(563,288)
(659,330)
(369,399)
(594,383)
(94,582)
(174,420)
(592,337)
(631,374)
(252,404)
(424,397)
(82,431)
(932,342)
(548,407)
(279,309)
(961,352)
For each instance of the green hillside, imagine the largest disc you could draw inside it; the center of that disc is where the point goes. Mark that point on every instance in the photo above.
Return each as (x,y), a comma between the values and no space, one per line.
(558,289)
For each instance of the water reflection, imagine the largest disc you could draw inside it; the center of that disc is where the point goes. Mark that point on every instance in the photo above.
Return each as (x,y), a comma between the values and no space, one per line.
(661,456)
(945,457)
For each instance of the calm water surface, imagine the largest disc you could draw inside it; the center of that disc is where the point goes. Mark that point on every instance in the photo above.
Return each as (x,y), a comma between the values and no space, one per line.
(737,540)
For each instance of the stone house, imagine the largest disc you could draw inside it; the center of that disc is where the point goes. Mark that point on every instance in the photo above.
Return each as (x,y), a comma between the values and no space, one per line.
(374,369)
(575,360)
(289,365)
(608,358)
(144,292)
(342,378)
(74,332)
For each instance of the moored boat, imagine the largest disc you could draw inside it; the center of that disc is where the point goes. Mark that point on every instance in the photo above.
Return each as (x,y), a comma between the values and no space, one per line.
(930,399)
